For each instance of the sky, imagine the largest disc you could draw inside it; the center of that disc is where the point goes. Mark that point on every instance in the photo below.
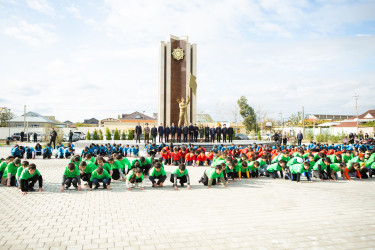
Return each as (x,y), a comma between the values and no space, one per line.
(81,59)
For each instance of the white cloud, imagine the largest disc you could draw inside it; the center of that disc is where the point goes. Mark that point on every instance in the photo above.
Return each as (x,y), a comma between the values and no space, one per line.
(41,6)
(33,34)
(73,9)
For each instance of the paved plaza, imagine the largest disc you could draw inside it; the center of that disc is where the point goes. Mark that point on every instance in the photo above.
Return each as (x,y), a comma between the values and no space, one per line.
(249,214)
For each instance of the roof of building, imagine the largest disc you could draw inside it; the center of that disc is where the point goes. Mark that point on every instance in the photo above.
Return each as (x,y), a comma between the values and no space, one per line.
(347,125)
(369,114)
(91,121)
(136,116)
(32,117)
(68,122)
(331,117)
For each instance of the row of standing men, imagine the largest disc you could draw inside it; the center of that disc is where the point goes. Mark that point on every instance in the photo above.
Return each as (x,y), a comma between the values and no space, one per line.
(185,133)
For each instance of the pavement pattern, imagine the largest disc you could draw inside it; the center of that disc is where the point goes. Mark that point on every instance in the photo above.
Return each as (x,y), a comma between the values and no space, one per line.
(249,214)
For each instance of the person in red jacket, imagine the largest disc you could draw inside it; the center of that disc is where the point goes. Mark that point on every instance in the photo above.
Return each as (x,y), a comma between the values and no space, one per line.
(201,158)
(183,153)
(189,159)
(176,157)
(210,157)
(166,156)
(353,171)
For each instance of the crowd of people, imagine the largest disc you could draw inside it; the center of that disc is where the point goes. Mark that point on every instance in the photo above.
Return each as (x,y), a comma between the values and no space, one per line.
(101,164)
(187,133)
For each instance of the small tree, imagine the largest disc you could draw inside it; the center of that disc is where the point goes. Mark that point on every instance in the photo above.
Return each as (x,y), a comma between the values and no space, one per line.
(108,135)
(131,135)
(247,113)
(88,135)
(95,135)
(123,135)
(100,134)
(259,137)
(116,135)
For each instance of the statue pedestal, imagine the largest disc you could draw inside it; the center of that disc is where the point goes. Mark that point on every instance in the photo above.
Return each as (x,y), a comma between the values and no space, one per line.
(178,60)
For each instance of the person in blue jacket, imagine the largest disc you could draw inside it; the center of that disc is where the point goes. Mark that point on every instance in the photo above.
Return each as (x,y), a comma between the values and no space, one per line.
(136,151)
(38,149)
(17,151)
(60,153)
(47,152)
(68,152)
(30,153)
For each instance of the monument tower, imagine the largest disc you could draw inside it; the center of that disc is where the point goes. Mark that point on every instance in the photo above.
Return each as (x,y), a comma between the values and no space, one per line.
(178,71)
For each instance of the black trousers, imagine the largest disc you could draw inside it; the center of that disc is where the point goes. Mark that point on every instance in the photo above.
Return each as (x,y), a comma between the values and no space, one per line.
(147,138)
(28,185)
(254,174)
(173,137)
(212,138)
(146,168)
(160,137)
(299,142)
(161,179)
(166,137)
(86,177)
(176,163)
(69,181)
(167,161)
(154,138)
(178,137)
(230,137)
(182,179)
(204,180)
(115,174)
(195,137)
(185,137)
(218,137)
(138,138)
(229,175)
(224,137)
(191,136)
(53,140)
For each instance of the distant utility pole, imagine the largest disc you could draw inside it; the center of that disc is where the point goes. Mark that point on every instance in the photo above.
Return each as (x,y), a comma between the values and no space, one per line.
(303,121)
(24,118)
(356,107)
(281,120)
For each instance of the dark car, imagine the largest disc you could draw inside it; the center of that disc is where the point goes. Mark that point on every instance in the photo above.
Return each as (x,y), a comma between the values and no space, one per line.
(241,137)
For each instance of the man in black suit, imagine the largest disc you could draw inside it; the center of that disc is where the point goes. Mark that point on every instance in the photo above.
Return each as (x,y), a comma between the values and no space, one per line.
(218,133)
(167,132)
(212,133)
(22,136)
(191,132)
(196,132)
(173,133)
(161,132)
(206,133)
(154,133)
(224,131)
(230,133)
(185,132)
(179,132)
(138,132)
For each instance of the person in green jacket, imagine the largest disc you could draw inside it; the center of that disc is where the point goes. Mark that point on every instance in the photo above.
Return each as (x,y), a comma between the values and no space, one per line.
(10,172)
(24,165)
(100,175)
(85,170)
(297,170)
(4,164)
(29,177)
(157,173)
(335,168)
(116,168)
(182,175)
(228,170)
(100,162)
(76,160)
(244,170)
(254,169)
(322,169)
(274,168)
(135,177)
(346,157)
(335,158)
(211,174)
(145,164)
(71,176)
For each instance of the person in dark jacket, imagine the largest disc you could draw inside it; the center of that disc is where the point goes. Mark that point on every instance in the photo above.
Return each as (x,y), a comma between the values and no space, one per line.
(161,132)
(173,133)
(196,132)
(185,132)
(138,132)
(167,132)
(206,133)
(224,131)
(35,137)
(53,138)
(70,136)
(230,133)
(179,132)
(154,133)
(212,133)
(218,133)
(22,136)
(299,138)
(191,132)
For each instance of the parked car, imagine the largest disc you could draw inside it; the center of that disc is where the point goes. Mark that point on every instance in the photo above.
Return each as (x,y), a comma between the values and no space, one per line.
(81,135)
(241,137)
(38,138)
(74,139)
(17,137)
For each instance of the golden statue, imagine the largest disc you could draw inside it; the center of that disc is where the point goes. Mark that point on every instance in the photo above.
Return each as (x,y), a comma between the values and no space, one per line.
(183,111)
